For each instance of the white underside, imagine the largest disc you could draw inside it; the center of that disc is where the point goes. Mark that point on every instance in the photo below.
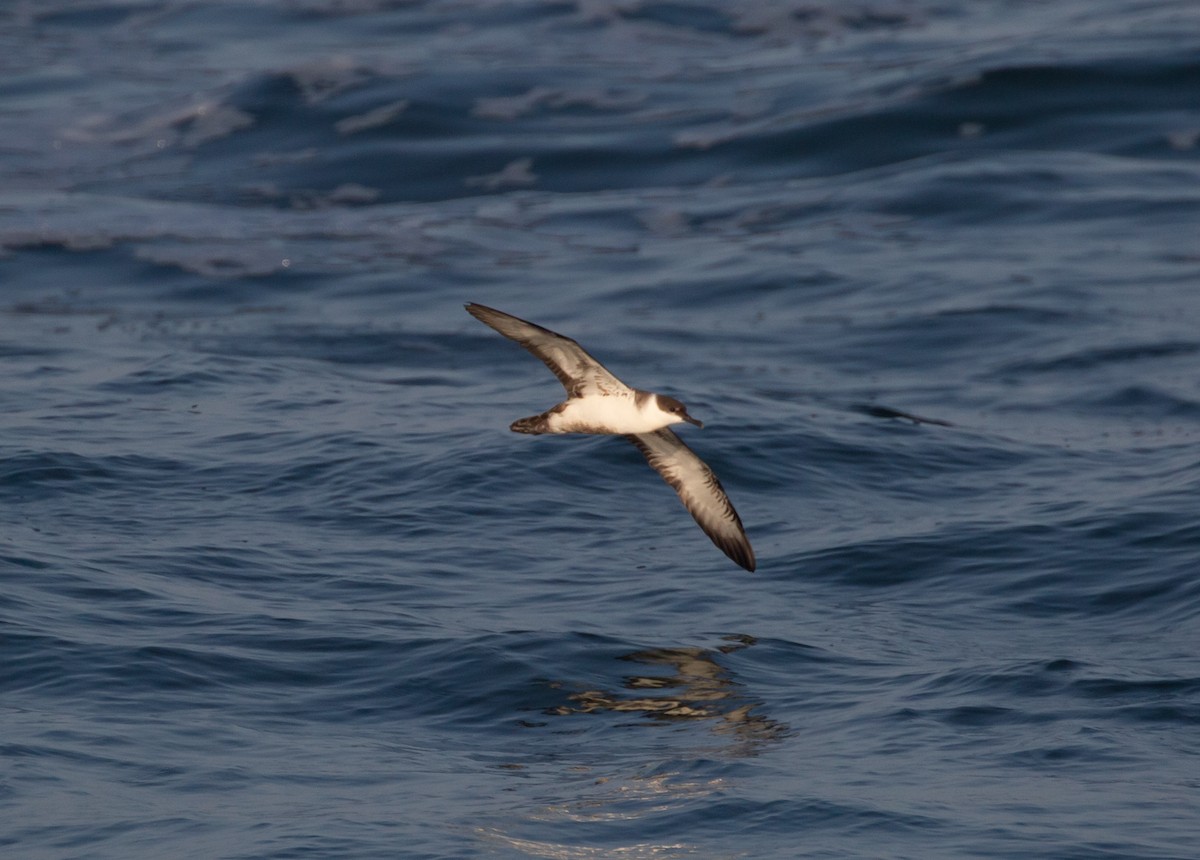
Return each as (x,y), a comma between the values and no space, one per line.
(610,414)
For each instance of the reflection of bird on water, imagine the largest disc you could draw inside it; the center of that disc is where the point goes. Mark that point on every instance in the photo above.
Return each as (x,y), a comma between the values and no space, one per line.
(700,689)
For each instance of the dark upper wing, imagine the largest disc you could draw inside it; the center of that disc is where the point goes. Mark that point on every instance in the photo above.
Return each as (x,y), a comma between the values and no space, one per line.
(579,373)
(701,492)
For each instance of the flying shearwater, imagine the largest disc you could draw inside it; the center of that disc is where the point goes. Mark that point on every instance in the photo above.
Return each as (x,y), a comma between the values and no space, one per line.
(597,402)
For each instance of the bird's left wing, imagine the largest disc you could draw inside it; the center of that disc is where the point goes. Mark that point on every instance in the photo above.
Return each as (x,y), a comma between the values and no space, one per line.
(700,491)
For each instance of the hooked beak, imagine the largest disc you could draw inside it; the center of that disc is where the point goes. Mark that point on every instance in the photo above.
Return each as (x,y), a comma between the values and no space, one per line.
(690,420)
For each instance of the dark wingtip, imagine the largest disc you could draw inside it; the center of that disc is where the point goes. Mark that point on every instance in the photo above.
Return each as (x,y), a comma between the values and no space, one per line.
(739,552)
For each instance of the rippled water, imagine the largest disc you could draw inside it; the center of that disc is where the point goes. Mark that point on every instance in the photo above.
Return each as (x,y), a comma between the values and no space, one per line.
(279,582)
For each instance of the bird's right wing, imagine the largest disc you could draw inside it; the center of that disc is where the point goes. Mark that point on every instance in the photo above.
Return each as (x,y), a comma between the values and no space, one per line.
(579,373)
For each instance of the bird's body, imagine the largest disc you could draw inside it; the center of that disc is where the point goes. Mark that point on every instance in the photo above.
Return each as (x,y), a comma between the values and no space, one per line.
(622,412)
(599,403)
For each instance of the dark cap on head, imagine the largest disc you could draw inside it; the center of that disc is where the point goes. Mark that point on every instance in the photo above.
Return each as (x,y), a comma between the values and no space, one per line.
(670,404)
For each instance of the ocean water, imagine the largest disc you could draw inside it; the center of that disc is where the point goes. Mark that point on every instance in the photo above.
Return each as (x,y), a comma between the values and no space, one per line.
(278,582)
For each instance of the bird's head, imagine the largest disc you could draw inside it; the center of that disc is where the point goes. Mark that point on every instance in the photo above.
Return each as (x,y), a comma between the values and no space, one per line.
(676,410)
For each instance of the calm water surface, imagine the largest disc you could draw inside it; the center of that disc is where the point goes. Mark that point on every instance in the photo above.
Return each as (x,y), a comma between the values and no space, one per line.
(278,582)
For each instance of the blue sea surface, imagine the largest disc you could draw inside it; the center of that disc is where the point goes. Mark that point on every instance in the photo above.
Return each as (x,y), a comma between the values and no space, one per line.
(276,580)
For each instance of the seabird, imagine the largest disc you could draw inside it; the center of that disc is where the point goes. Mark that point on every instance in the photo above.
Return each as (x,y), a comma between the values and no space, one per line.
(597,402)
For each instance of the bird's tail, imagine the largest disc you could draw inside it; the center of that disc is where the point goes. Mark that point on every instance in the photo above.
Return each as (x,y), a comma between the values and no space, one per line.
(534,425)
